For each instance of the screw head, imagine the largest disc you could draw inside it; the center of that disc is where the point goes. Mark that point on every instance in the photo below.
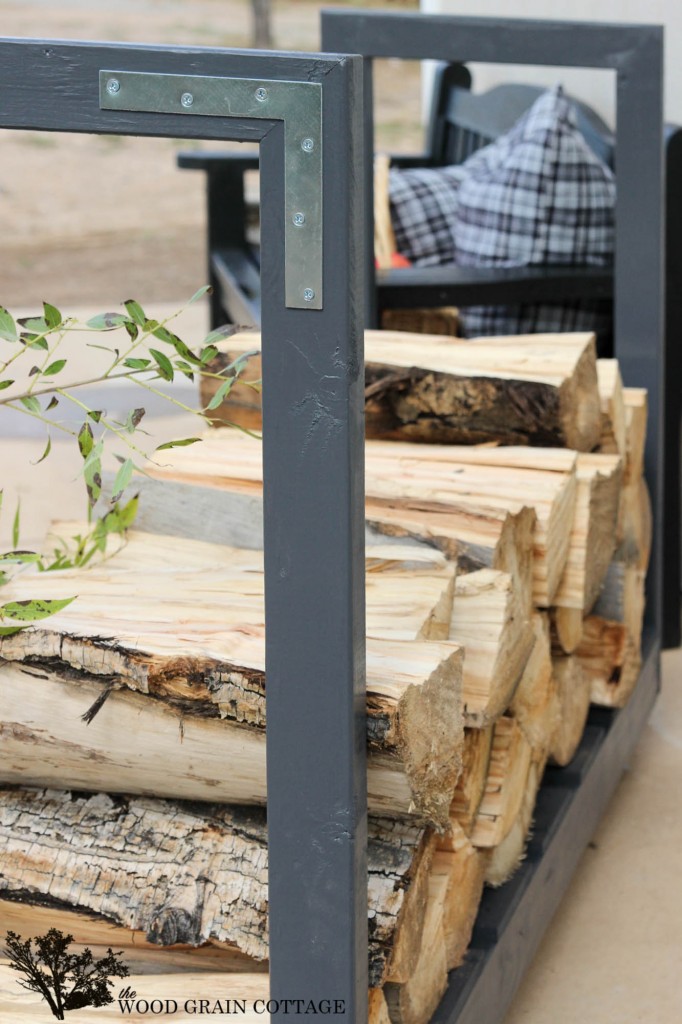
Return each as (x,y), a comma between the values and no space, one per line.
(308,294)
(261,94)
(187,99)
(307,145)
(113,86)
(299,219)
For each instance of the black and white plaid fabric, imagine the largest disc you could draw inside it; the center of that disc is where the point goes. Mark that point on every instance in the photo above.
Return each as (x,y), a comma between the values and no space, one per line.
(423,210)
(538,195)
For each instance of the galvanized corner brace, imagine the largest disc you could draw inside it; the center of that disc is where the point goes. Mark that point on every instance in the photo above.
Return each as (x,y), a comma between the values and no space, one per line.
(297,104)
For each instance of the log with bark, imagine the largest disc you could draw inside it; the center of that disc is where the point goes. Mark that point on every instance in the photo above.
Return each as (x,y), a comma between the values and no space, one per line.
(534,389)
(191,643)
(190,874)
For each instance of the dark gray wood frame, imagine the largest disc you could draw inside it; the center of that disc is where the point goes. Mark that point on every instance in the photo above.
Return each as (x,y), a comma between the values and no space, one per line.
(314,486)
(512,919)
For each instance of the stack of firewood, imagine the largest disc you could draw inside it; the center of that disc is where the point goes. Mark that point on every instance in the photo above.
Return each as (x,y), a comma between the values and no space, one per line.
(505,591)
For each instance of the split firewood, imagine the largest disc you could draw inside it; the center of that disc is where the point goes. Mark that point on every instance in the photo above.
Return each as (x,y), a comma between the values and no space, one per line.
(510,757)
(613,420)
(404,481)
(192,644)
(415,1001)
(507,856)
(377,1007)
(573,689)
(181,873)
(507,478)
(610,658)
(536,389)
(566,629)
(635,401)
(535,705)
(472,780)
(464,868)
(436,320)
(593,536)
(634,530)
(497,638)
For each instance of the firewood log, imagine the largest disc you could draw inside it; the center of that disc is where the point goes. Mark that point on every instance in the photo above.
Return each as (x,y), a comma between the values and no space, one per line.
(573,688)
(162,631)
(181,873)
(538,389)
(593,536)
(507,856)
(464,867)
(510,757)
(610,657)
(472,780)
(611,396)
(535,705)
(635,401)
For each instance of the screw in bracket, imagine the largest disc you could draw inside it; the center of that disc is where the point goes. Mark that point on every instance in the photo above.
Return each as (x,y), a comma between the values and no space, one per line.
(307,145)
(261,94)
(299,219)
(113,86)
(187,99)
(308,294)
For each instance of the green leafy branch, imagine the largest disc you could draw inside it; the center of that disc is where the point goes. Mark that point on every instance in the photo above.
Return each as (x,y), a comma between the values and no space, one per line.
(41,391)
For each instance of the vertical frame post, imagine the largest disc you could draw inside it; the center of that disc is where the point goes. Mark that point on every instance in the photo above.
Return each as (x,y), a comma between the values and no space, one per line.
(313,449)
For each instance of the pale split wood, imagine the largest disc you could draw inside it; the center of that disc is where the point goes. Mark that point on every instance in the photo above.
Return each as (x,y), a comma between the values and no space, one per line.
(415,1001)
(593,534)
(636,403)
(429,320)
(194,640)
(508,855)
(613,439)
(535,704)
(611,660)
(464,868)
(384,239)
(497,637)
(377,1007)
(573,687)
(635,524)
(538,389)
(566,629)
(510,757)
(472,780)
(191,874)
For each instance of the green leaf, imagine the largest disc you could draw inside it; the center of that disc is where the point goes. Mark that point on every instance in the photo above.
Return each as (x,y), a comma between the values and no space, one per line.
(34,324)
(208,353)
(48,449)
(34,610)
(123,478)
(222,393)
(128,514)
(85,440)
(53,318)
(54,368)
(107,321)
(206,290)
(54,401)
(16,525)
(165,367)
(134,419)
(8,328)
(20,557)
(5,384)
(135,312)
(31,403)
(137,364)
(95,414)
(220,333)
(178,444)
(132,329)
(33,341)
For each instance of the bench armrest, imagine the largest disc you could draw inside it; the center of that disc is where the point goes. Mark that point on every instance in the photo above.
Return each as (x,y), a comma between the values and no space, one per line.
(414,287)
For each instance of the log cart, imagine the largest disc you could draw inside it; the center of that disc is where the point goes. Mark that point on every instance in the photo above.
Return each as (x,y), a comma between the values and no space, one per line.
(492,581)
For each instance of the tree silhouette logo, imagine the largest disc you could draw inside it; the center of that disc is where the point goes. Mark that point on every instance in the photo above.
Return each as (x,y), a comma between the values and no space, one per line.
(66,981)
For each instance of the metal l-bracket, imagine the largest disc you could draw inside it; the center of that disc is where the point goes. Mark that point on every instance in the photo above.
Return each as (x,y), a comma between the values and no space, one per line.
(297,104)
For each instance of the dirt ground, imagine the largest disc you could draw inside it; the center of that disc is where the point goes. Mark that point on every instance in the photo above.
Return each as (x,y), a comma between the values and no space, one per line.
(92,219)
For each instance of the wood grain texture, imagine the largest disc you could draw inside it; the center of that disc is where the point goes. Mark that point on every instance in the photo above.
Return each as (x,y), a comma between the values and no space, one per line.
(537,389)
